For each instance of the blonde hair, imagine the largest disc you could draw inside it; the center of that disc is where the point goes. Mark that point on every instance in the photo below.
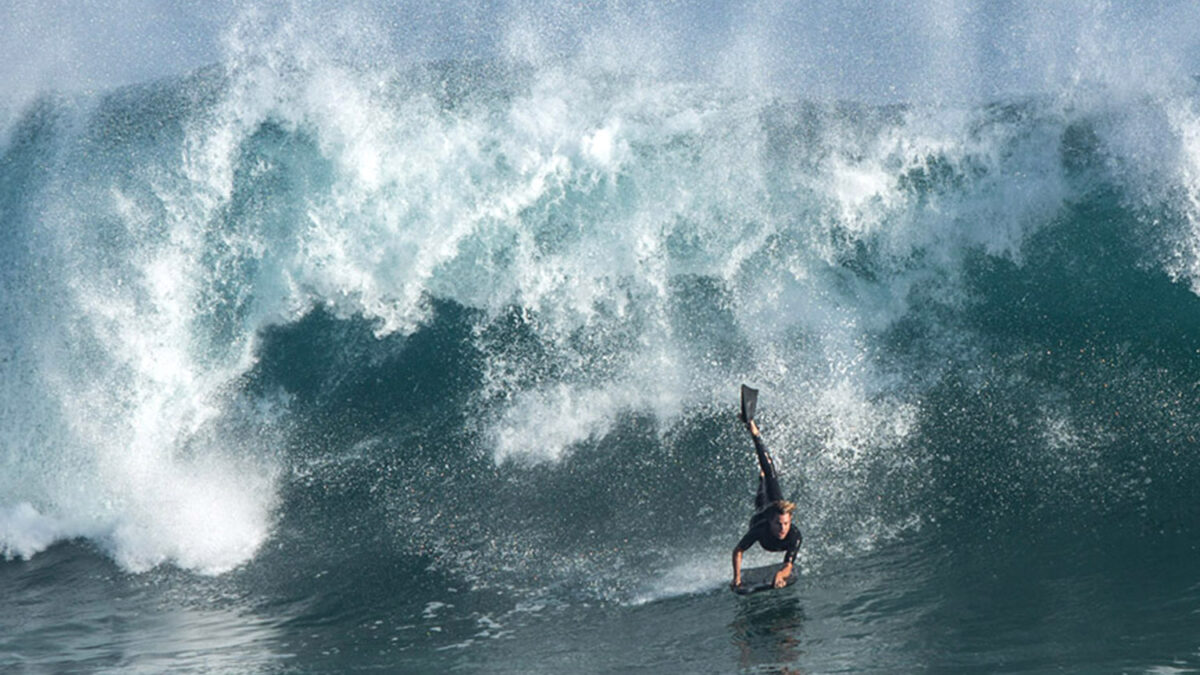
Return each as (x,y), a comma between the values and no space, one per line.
(781,506)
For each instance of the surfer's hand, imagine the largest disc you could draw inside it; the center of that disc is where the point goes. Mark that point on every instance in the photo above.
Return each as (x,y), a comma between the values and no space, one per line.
(752,427)
(781,576)
(737,581)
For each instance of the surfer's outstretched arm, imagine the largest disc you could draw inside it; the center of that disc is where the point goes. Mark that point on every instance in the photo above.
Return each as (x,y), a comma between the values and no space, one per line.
(737,568)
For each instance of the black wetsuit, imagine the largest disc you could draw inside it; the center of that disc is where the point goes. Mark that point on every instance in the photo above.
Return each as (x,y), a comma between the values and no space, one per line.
(760,527)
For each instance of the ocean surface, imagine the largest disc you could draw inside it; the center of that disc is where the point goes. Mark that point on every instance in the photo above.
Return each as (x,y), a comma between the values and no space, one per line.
(339,352)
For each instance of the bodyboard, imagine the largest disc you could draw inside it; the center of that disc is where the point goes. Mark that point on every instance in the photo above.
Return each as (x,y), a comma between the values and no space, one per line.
(755,579)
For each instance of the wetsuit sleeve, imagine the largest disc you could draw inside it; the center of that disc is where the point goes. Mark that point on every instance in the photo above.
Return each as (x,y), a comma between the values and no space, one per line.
(747,540)
(794,540)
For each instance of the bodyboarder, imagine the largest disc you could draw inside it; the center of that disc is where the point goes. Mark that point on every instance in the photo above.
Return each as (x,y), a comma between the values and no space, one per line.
(771,526)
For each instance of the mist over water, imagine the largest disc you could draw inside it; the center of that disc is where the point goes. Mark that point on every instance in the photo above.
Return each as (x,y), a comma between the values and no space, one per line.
(460,297)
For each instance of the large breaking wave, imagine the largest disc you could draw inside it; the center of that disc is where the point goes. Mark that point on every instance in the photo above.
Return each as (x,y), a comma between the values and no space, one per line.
(498,307)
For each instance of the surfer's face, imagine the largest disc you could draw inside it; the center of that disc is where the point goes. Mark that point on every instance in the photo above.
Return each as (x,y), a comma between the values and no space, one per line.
(780,524)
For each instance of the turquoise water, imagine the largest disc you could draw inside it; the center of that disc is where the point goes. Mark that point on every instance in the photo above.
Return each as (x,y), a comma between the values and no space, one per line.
(335,352)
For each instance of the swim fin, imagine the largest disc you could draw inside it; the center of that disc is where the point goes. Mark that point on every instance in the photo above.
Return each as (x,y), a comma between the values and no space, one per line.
(749,401)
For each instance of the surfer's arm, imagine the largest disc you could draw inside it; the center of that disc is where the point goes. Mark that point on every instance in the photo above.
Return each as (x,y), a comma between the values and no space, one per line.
(794,541)
(782,575)
(744,543)
(737,568)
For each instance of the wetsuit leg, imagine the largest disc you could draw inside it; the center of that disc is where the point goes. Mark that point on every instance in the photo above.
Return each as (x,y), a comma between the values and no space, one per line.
(768,482)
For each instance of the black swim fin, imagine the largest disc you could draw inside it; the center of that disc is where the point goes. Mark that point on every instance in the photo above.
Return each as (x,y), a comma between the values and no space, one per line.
(749,401)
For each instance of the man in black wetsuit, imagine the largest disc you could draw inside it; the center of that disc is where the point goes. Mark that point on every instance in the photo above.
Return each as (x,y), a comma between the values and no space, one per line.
(771,525)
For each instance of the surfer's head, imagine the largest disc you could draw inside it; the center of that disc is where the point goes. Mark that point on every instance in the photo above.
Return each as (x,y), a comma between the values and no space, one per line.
(779,517)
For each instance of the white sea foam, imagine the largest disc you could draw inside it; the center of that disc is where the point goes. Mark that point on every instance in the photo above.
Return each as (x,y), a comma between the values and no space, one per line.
(699,576)
(25,532)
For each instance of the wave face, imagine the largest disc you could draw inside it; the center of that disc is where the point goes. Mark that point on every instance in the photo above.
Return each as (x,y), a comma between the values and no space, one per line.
(485,317)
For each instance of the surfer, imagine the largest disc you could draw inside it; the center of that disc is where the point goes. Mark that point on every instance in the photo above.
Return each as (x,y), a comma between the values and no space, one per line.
(771,526)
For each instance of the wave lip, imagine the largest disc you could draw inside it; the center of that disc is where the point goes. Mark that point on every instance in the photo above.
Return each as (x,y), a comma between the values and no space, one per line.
(206,518)
(24,532)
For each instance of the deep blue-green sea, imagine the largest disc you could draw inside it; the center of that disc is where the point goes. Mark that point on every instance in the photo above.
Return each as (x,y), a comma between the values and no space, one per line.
(407,339)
